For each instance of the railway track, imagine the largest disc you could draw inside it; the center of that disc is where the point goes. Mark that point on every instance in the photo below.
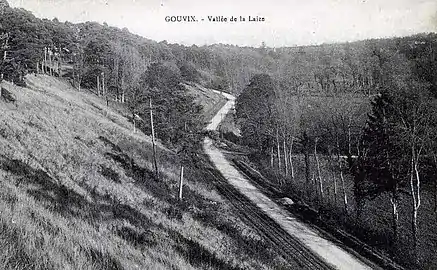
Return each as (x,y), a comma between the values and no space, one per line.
(291,249)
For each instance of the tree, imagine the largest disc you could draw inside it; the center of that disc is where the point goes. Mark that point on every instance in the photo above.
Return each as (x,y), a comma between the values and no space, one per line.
(381,161)
(137,104)
(255,108)
(78,67)
(152,126)
(415,114)
(97,53)
(4,40)
(347,116)
(189,72)
(174,107)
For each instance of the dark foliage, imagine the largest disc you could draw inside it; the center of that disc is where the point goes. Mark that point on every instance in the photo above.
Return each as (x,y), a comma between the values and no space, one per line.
(255,109)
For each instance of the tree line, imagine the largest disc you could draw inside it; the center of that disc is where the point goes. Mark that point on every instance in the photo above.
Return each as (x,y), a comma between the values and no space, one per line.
(94,48)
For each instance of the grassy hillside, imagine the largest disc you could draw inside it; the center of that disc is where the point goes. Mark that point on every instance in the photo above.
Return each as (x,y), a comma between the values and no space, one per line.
(211,101)
(77,192)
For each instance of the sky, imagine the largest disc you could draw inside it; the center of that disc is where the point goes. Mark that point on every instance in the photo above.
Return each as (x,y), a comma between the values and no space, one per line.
(286,23)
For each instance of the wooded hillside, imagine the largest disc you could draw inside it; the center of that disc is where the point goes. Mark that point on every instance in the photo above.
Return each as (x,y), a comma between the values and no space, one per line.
(351,129)
(92,48)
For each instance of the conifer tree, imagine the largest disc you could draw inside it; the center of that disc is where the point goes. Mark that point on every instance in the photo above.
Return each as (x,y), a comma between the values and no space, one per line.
(379,167)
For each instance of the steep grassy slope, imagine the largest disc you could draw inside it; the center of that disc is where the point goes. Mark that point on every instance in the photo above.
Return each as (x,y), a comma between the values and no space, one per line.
(211,101)
(77,192)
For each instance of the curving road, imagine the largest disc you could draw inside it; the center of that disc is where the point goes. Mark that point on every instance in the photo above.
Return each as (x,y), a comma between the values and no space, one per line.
(296,240)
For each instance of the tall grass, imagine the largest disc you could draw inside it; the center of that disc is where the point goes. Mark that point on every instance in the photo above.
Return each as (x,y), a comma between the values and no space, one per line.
(77,192)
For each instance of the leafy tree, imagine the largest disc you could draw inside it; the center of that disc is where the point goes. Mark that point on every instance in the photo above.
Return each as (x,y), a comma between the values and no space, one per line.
(189,72)
(255,108)
(175,109)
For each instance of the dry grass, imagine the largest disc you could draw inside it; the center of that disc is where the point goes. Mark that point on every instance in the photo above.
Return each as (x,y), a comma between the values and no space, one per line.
(211,101)
(77,192)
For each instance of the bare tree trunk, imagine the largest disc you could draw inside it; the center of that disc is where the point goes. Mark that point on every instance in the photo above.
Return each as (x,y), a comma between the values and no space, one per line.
(133,121)
(285,158)
(181,181)
(418,200)
(45,60)
(279,151)
(74,77)
(49,71)
(414,227)
(349,141)
(319,176)
(415,193)
(103,84)
(344,191)
(60,59)
(122,90)
(155,163)
(291,159)
(50,63)
(335,189)
(271,157)
(334,178)
(98,85)
(342,178)
(395,215)
(4,59)
(307,158)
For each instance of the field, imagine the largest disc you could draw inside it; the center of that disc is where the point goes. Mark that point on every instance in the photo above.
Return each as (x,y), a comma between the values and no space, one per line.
(77,192)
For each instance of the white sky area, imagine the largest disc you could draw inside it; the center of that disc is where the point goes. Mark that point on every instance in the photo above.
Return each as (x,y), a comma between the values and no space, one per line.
(287,23)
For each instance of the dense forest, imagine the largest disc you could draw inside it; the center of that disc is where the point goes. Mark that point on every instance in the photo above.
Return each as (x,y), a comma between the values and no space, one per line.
(343,125)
